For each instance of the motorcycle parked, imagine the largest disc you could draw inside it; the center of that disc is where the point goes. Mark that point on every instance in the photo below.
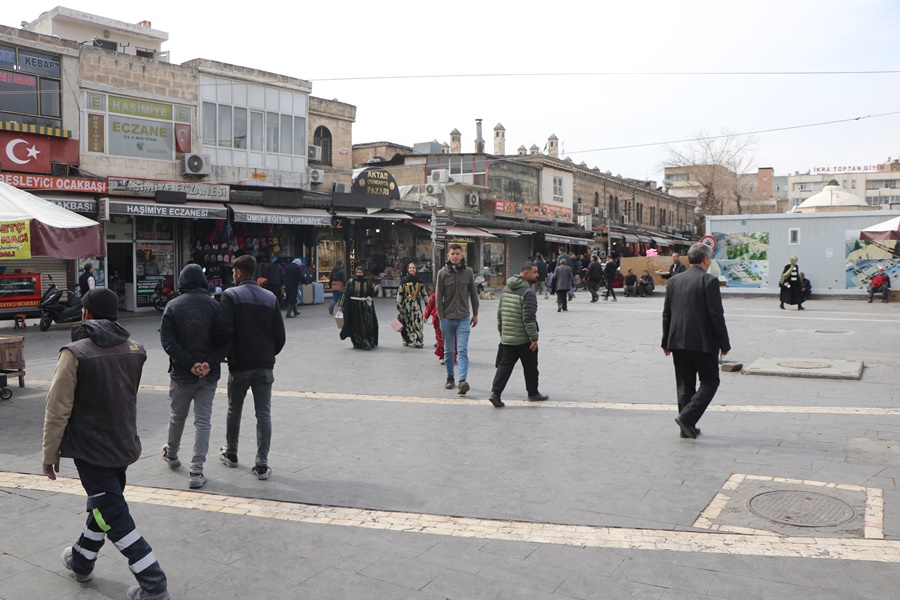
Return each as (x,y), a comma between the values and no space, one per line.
(162,293)
(54,311)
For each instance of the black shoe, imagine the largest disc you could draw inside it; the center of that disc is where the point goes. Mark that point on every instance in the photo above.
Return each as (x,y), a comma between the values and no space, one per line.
(450,384)
(870,301)
(463,387)
(559,308)
(539,397)
(800,307)
(696,430)
(782,306)
(496,401)
(686,430)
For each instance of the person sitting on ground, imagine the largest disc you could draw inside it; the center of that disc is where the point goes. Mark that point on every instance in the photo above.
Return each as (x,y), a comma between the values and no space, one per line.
(881,282)
(631,282)
(805,287)
(645,284)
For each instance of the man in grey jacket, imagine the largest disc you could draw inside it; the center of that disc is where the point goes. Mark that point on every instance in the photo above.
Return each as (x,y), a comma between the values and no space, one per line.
(455,289)
(563,282)
(518,327)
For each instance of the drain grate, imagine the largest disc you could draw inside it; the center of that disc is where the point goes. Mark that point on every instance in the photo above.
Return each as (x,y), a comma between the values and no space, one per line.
(801,509)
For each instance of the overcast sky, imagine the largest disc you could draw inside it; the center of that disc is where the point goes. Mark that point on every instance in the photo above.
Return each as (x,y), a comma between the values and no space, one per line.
(590,114)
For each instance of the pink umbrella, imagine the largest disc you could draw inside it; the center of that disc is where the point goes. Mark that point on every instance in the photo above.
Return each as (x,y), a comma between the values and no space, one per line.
(55,231)
(888,230)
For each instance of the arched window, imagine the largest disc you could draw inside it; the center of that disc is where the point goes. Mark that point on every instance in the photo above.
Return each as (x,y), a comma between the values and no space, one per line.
(597,199)
(322,138)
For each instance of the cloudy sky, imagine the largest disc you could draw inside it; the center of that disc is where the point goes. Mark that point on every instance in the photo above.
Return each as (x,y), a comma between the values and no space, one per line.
(602,76)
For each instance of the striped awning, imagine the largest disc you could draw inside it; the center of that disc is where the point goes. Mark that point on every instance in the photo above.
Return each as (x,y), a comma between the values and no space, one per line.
(38,129)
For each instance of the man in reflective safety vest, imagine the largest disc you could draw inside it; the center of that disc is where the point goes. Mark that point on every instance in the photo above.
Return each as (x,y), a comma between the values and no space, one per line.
(91,417)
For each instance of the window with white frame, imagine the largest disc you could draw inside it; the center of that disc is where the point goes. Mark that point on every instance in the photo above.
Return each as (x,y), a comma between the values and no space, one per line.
(251,119)
(558,189)
(793,237)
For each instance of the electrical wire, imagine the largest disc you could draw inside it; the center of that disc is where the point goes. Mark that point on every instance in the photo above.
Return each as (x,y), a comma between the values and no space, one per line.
(611,74)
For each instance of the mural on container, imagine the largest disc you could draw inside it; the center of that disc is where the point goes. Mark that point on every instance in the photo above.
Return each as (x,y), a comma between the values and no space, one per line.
(864,258)
(741,259)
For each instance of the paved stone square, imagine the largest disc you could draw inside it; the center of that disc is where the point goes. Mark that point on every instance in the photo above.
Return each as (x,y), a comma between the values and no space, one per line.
(386,485)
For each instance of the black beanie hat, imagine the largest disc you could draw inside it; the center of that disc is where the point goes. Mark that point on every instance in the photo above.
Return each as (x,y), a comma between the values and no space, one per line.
(102,303)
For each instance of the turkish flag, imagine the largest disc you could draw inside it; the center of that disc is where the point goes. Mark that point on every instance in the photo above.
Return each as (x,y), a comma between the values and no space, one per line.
(182,137)
(25,152)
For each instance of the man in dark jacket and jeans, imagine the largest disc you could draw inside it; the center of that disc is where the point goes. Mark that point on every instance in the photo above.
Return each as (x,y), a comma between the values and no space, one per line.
(91,417)
(455,289)
(251,319)
(518,327)
(186,333)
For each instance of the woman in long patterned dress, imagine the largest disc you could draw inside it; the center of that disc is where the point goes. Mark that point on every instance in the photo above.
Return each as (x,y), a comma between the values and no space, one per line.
(410,297)
(358,306)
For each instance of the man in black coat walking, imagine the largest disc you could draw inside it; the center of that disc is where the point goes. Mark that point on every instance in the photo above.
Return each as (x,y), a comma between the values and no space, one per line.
(291,283)
(694,333)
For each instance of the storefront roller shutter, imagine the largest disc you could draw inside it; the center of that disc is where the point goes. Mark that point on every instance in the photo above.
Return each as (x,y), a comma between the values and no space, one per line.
(43,265)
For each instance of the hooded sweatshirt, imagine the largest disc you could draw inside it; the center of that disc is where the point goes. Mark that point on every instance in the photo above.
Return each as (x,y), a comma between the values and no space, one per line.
(187,328)
(517,313)
(91,410)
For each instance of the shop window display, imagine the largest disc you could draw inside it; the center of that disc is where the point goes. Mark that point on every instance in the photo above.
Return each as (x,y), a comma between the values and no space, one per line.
(330,250)
(216,245)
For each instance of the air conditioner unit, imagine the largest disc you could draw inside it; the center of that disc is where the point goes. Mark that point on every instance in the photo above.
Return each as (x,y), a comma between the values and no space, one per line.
(433,189)
(440,176)
(578,206)
(666,229)
(623,219)
(340,188)
(316,176)
(473,199)
(595,211)
(314,152)
(195,164)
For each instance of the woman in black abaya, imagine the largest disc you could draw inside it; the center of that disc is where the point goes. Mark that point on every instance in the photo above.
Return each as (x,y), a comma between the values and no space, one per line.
(358,306)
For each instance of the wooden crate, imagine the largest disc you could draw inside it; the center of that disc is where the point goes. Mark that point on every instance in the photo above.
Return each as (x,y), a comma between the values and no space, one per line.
(12,357)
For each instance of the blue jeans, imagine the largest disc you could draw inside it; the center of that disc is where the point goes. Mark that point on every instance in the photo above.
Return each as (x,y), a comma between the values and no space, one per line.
(456,336)
(336,297)
(181,393)
(260,381)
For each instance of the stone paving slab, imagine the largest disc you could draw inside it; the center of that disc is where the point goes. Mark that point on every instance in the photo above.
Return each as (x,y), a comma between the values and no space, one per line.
(809,368)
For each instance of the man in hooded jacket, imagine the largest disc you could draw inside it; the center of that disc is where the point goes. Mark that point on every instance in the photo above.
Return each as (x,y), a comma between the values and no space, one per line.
(91,417)
(186,333)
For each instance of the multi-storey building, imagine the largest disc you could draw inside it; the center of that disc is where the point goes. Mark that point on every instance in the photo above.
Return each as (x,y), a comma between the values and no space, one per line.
(878,184)
(201,161)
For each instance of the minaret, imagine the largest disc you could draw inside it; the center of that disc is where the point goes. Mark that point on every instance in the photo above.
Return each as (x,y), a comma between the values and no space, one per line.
(553,145)
(455,141)
(499,140)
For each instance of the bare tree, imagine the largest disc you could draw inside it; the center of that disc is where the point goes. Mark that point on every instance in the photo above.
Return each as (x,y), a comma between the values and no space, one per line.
(708,169)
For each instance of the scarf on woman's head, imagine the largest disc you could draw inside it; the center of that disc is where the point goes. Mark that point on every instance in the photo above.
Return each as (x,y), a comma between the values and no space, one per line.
(409,278)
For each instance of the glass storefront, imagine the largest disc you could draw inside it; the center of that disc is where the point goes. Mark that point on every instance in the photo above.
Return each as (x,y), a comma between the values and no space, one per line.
(493,254)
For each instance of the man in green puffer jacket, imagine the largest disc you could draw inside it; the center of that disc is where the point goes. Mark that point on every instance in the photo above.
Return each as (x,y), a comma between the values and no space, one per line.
(518,327)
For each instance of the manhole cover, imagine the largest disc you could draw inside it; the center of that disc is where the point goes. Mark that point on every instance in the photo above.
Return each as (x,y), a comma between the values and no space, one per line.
(804,364)
(802,509)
